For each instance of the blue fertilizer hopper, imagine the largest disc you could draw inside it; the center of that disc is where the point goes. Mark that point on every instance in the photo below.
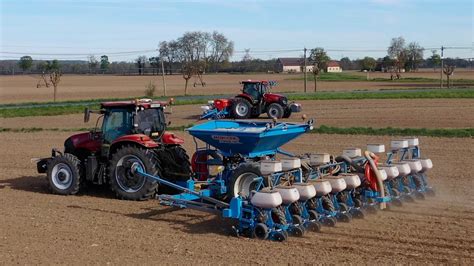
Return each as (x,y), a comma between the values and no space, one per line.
(247,138)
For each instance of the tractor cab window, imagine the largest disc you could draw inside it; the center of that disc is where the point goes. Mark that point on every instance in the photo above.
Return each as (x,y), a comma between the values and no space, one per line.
(150,121)
(252,89)
(264,88)
(117,122)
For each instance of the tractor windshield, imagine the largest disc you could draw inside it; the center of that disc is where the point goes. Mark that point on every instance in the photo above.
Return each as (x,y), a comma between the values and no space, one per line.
(252,89)
(117,122)
(150,121)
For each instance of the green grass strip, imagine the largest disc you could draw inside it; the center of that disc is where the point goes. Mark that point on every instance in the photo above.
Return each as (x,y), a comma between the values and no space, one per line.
(362,77)
(388,131)
(77,107)
(387,94)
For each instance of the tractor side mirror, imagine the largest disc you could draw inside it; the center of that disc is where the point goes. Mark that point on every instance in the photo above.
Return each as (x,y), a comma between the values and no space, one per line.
(87,114)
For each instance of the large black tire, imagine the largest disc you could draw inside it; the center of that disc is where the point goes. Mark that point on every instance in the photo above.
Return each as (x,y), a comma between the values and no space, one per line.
(241,108)
(64,174)
(175,163)
(275,110)
(287,113)
(124,182)
(240,182)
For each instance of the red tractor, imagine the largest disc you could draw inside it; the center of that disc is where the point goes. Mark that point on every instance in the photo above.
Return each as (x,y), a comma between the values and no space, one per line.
(132,132)
(254,100)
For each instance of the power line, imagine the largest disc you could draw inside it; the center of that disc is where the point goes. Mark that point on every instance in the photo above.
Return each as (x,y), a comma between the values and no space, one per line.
(80,54)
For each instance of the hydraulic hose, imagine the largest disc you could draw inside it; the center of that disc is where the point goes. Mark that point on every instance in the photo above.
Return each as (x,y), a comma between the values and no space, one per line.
(370,156)
(347,159)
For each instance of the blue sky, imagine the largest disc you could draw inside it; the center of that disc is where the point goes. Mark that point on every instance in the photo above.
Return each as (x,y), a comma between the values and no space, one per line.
(97,27)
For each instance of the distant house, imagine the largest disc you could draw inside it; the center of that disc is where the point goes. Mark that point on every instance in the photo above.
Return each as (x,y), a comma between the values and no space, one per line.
(333,66)
(295,65)
(291,65)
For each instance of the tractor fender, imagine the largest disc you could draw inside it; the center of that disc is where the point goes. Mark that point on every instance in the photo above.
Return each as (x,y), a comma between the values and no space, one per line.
(245,96)
(170,138)
(135,139)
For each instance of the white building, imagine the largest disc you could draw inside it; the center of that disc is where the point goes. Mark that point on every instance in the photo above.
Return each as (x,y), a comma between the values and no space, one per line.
(333,66)
(295,65)
(291,65)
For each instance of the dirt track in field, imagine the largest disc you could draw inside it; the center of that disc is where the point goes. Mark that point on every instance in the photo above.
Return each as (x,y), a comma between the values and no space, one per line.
(22,88)
(413,113)
(38,227)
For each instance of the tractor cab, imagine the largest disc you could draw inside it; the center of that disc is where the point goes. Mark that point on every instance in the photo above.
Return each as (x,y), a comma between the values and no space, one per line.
(256,89)
(128,118)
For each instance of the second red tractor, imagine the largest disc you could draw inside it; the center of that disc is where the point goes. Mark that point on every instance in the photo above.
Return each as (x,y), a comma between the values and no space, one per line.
(254,100)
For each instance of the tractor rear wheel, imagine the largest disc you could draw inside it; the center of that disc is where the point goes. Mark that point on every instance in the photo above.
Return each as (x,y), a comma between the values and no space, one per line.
(241,108)
(64,174)
(175,163)
(124,182)
(275,110)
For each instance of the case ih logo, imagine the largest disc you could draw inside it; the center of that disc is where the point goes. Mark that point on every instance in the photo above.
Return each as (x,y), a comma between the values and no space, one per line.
(226,139)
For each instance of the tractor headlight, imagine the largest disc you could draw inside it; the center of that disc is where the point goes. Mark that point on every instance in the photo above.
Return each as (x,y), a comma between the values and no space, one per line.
(284,101)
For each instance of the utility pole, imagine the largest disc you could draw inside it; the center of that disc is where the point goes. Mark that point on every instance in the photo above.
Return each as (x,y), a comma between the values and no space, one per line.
(163,76)
(304,69)
(441,70)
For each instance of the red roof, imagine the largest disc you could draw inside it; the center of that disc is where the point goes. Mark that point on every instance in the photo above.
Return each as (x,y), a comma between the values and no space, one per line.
(291,61)
(333,64)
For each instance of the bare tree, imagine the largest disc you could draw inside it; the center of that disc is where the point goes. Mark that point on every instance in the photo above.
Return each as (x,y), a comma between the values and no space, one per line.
(55,78)
(448,70)
(414,55)
(398,53)
(187,72)
(316,71)
(93,63)
(43,81)
(222,50)
(141,63)
(197,52)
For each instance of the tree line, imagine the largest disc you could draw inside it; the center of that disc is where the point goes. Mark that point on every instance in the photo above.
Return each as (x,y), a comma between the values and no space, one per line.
(196,53)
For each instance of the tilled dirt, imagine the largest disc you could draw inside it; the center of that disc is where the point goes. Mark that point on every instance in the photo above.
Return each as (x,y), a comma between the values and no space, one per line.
(95,228)
(22,88)
(410,113)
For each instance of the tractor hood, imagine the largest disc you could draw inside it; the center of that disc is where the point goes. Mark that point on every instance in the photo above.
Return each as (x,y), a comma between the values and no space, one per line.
(86,140)
(274,97)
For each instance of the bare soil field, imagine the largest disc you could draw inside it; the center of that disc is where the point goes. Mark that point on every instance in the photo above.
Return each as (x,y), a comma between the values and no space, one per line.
(410,113)
(22,88)
(95,228)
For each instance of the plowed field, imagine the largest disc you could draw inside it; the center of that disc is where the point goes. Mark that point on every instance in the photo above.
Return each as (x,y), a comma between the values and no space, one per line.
(94,228)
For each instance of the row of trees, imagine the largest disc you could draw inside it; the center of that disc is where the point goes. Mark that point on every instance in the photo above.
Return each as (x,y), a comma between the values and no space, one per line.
(202,52)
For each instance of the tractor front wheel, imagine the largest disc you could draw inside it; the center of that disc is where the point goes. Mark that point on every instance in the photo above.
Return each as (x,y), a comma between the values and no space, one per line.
(275,110)
(127,184)
(241,108)
(287,113)
(64,174)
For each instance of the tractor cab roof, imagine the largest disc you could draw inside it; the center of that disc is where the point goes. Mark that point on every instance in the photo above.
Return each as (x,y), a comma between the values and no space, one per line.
(254,81)
(264,82)
(145,103)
